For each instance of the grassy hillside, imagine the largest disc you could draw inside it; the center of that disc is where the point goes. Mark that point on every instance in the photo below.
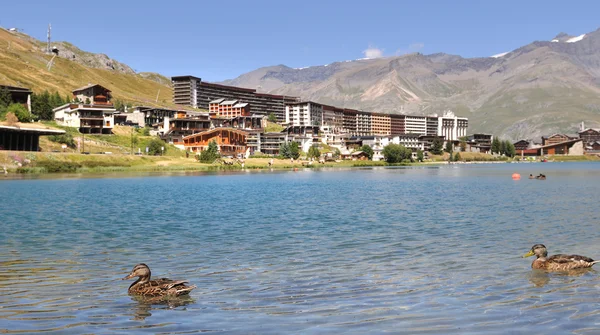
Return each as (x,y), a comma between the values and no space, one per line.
(23,64)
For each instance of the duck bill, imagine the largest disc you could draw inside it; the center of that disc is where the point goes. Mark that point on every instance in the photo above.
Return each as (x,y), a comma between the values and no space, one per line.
(129,276)
(530,253)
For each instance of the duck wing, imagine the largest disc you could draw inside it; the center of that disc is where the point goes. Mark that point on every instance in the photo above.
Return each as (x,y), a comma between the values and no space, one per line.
(562,262)
(561,259)
(163,287)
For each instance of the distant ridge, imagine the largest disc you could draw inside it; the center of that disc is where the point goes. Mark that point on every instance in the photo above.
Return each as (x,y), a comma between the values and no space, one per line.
(541,88)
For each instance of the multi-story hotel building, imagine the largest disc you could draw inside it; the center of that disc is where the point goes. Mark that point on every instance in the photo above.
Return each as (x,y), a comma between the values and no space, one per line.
(363,123)
(228,108)
(416,124)
(381,124)
(397,124)
(333,117)
(452,127)
(192,91)
(432,125)
(306,113)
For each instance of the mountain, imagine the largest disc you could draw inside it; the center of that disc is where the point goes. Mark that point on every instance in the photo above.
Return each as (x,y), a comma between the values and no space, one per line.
(541,88)
(23,62)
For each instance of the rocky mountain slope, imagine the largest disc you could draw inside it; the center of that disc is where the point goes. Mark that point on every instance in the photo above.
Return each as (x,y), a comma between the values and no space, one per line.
(541,88)
(23,62)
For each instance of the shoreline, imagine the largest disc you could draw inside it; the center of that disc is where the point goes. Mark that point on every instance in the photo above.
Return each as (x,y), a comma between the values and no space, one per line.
(14,163)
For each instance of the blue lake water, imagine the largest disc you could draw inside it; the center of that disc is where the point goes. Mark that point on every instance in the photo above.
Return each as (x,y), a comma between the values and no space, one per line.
(403,250)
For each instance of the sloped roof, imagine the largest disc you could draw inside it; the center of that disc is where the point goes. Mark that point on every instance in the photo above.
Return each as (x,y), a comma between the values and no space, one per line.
(90,86)
(217,101)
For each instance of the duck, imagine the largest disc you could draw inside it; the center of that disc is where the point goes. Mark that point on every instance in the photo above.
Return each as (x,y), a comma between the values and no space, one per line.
(163,287)
(557,262)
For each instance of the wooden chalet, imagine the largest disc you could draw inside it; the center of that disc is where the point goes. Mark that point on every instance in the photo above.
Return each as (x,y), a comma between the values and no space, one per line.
(557,138)
(567,148)
(230,141)
(96,94)
(590,135)
(522,145)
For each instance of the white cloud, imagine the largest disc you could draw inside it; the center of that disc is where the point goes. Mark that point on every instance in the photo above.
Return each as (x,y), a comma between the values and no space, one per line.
(373,52)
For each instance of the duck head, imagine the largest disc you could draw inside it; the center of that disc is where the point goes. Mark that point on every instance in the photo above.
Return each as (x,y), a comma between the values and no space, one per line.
(142,271)
(539,250)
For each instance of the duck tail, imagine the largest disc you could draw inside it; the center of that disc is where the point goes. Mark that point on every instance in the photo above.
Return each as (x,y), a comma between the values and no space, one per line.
(594,262)
(185,290)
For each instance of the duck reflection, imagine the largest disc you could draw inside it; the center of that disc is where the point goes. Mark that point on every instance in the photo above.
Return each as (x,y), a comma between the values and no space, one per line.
(144,305)
(540,278)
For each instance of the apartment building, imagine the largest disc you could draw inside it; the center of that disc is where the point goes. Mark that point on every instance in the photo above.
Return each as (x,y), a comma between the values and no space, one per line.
(363,123)
(432,123)
(416,124)
(349,121)
(381,124)
(192,91)
(451,126)
(92,112)
(333,117)
(228,108)
(397,124)
(306,113)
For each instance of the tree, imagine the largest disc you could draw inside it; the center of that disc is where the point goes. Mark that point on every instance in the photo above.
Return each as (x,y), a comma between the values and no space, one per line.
(336,153)
(509,149)
(436,146)
(463,144)
(155,147)
(5,99)
(449,147)
(272,118)
(41,105)
(367,150)
(284,150)
(210,154)
(420,155)
(495,146)
(313,152)
(289,150)
(396,153)
(294,150)
(20,112)
(457,157)
(502,150)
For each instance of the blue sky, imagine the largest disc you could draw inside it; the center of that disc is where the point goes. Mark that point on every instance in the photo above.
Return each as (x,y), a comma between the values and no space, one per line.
(218,40)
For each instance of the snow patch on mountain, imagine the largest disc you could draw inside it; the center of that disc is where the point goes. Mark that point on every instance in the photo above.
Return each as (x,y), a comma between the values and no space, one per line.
(575,39)
(500,55)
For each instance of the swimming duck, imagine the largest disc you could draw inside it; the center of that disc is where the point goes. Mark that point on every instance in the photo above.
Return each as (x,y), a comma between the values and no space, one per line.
(155,288)
(558,262)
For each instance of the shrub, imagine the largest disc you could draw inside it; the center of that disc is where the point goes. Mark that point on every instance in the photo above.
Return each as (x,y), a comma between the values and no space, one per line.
(20,112)
(313,152)
(210,154)
(57,166)
(396,153)
(155,147)
(63,139)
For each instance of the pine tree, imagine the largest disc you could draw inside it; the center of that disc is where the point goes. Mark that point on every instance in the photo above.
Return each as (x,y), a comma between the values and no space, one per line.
(436,146)
(5,98)
(496,146)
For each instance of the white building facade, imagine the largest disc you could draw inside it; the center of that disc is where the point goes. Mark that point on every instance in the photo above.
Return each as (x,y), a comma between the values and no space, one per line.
(305,113)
